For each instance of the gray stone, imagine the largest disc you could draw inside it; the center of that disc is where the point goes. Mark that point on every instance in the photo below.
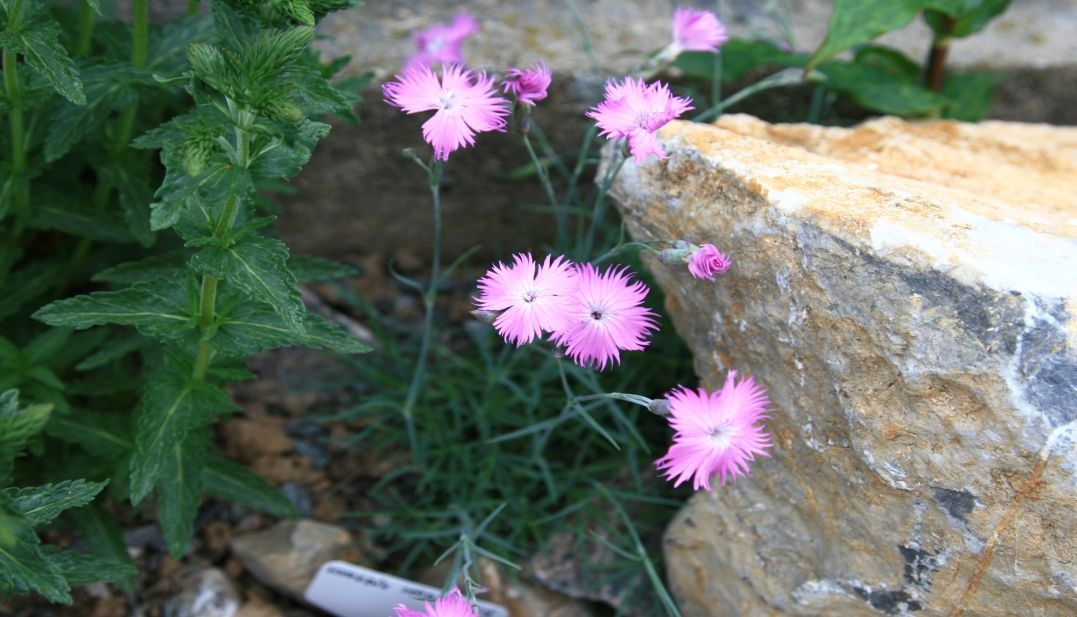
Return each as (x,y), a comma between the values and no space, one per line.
(205,593)
(286,556)
(906,293)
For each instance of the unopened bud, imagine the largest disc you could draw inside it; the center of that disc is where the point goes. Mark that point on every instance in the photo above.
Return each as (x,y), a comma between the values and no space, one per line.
(676,255)
(659,407)
(486,317)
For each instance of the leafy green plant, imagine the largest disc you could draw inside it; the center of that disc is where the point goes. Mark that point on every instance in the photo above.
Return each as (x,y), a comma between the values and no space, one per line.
(180,284)
(25,563)
(877,78)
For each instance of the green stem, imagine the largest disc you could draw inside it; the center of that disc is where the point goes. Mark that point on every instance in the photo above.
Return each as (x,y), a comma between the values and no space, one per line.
(192,8)
(125,125)
(782,78)
(11,89)
(206,307)
(936,58)
(418,377)
(207,304)
(599,211)
(86,23)
(140,44)
(559,211)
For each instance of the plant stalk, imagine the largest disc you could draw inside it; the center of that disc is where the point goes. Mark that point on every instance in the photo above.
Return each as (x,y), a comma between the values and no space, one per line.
(418,377)
(936,58)
(86,24)
(560,212)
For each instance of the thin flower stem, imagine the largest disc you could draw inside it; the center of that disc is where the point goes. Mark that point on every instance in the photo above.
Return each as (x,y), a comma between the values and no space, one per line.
(777,80)
(620,248)
(418,377)
(716,80)
(599,211)
(192,8)
(635,399)
(581,25)
(559,211)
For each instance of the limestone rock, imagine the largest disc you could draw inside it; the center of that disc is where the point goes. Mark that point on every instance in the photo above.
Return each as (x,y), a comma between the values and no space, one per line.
(205,593)
(906,293)
(286,556)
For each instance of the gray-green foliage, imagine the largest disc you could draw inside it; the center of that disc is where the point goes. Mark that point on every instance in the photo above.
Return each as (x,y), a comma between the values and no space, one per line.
(148,283)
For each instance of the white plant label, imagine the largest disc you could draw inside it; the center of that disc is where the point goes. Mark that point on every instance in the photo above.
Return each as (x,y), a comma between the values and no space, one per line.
(347,590)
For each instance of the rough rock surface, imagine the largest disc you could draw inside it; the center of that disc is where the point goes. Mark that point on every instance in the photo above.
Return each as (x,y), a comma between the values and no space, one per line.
(287,555)
(906,293)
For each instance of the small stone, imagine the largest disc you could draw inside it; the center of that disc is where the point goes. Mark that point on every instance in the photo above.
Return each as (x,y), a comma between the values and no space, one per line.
(205,593)
(286,556)
(299,497)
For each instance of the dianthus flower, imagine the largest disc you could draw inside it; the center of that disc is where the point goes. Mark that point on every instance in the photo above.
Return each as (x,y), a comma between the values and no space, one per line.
(452,605)
(464,104)
(707,261)
(606,317)
(528,86)
(634,111)
(697,30)
(716,433)
(440,43)
(530,300)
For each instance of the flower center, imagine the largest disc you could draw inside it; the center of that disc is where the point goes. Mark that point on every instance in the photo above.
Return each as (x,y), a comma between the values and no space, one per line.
(435,44)
(722,435)
(596,315)
(447,101)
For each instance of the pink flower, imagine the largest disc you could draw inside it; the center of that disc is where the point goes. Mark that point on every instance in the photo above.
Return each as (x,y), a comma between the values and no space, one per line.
(708,261)
(696,30)
(530,301)
(634,111)
(452,605)
(606,317)
(465,104)
(528,86)
(440,43)
(715,433)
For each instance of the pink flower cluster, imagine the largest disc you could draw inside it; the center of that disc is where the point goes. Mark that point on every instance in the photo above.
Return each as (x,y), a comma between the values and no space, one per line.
(635,111)
(715,433)
(441,43)
(529,86)
(592,314)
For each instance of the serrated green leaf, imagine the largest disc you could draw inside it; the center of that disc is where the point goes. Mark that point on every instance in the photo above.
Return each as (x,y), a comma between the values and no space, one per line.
(249,328)
(105,435)
(109,86)
(41,504)
(29,282)
(105,538)
(259,267)
(17,427)
(83,569)
(232,481)
(142,270)
(38,42)
(24,569)
(316,269)
(130,174)
(171,408)
(283,158)
(179,489)
(81,222)
(163,308)
(168,50)
(858,21)
(119,346)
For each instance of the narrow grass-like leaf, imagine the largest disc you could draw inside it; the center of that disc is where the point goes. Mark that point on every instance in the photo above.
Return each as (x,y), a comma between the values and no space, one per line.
(105,538)
(235,482)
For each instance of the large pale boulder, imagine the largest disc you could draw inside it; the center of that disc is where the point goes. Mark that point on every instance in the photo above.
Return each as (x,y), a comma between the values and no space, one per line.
(906,293)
